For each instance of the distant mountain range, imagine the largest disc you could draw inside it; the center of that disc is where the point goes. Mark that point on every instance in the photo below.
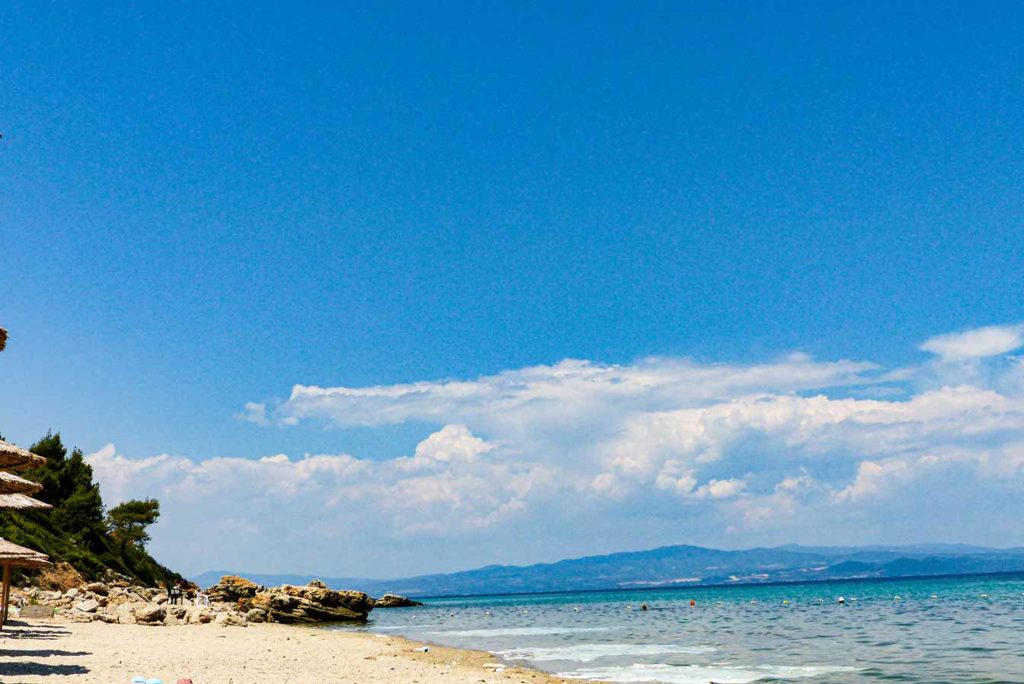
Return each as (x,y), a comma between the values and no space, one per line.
(674,566)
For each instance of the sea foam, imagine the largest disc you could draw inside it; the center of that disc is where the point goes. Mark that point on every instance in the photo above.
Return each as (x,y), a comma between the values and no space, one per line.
(518,631)
(699,674)
(585,653)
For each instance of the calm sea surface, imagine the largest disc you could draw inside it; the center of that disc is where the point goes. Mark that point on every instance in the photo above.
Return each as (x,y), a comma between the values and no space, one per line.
(920,630)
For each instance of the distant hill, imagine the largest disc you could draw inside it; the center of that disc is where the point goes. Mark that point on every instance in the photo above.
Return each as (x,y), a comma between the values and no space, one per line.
(682,566)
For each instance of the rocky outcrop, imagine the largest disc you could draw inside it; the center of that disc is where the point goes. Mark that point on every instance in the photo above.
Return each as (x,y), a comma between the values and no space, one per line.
(235,602)
(395,601)
(311,603)
(232,589)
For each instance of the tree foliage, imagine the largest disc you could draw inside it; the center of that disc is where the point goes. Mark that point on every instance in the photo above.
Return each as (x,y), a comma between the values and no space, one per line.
(128,521)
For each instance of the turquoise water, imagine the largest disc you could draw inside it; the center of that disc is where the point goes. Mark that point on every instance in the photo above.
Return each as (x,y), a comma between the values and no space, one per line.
(937,630)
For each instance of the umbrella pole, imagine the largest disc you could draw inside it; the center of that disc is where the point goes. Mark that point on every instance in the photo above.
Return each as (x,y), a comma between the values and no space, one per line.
(7,594)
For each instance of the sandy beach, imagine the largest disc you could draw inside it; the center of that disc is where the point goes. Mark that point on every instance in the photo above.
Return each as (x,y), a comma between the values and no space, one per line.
(40,651)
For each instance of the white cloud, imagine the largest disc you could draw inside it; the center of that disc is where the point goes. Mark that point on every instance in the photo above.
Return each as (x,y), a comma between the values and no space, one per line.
(447,486)
(254,412)
(547,396)
(672,448)
(722,489)
(450,445)
(874,477)
(977,343)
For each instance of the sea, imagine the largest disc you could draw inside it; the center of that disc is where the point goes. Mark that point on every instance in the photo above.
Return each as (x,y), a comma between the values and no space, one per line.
(953,629)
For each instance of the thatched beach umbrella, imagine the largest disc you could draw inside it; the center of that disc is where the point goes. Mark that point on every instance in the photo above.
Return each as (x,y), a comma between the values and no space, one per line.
(12,484)
(15,458)
(22,502)
(14,556)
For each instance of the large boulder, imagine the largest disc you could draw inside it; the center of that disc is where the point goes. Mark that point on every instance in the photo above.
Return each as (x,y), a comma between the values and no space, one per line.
(256,615)
(311,604)
(149,613)
(200,615)
(125,614)
(98,588)
(87,606)
(230,619)
(395,601)
(232,589)
(79,616)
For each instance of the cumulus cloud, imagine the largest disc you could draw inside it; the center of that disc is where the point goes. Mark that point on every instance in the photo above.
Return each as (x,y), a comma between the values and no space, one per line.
(531,457)
(874,477)
(977,343)
(452,483)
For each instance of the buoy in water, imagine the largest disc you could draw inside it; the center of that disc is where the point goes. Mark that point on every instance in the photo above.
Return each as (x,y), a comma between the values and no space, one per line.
(785,602)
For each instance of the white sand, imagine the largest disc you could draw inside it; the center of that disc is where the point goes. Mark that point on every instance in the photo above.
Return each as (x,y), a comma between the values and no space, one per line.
(38,651)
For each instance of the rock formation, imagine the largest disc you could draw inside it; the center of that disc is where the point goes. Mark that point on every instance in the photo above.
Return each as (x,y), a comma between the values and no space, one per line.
(395,601)
(232,589)
(235,602)
(311,603)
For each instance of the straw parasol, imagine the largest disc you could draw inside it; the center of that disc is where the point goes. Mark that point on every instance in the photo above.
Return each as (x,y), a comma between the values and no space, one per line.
(12,484)
(22,502)
(13,495)
(14,556)
(15,458)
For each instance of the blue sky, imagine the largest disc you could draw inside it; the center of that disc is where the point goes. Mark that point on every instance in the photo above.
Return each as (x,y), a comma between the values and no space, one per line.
(204,207)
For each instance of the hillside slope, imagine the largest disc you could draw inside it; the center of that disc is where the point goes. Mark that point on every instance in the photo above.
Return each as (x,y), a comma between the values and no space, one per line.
(75,530)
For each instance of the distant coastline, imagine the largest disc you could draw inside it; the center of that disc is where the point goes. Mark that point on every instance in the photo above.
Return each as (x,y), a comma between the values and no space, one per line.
(659,569)
(740,585)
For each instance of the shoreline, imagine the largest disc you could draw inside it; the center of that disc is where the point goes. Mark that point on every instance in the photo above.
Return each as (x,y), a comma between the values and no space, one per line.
(35,651)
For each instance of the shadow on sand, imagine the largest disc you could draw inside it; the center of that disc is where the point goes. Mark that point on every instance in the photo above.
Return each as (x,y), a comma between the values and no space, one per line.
(16,641)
